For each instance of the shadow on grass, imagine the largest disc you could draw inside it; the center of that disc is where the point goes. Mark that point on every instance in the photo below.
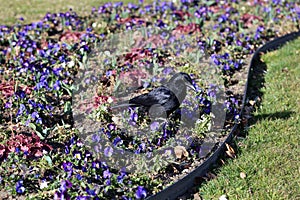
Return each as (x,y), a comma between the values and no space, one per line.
(256,81)
(273,116)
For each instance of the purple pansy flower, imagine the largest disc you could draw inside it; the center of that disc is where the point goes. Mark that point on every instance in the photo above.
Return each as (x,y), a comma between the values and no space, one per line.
(140,192)
(108,151)
(19,187)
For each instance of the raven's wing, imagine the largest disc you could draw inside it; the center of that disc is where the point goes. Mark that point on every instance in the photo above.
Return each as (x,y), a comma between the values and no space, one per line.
(160,95)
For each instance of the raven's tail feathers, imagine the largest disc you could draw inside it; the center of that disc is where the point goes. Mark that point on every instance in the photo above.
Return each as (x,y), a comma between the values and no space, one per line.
(121,105)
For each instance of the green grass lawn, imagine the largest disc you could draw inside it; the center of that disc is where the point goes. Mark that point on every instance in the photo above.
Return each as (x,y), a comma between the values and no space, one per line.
(269,156)
(34,10)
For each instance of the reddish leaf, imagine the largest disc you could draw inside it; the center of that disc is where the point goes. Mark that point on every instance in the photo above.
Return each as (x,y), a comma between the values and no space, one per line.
(71,37)
(248,19)
(3,151)
(30,144)
(133,78)
(7,88)
(134,20)
(190,28)
(217,8)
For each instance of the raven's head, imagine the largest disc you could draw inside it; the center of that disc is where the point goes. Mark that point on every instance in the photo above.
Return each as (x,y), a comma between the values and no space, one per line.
(182,78)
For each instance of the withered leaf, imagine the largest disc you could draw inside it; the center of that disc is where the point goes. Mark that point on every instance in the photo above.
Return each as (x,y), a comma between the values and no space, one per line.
(230,151)
(180,151)
(252,103)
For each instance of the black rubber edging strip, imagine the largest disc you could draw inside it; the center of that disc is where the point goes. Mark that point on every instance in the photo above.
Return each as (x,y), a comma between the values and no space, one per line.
(181,186)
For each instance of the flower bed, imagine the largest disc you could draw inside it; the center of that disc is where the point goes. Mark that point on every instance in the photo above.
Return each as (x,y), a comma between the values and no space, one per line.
(43,152)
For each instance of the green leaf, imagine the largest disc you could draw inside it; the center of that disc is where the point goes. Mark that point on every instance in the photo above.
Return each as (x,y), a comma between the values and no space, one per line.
(48,159)
(82,184)
(40,135)
(33,126)
(84,59)
(67,107)
(69,88)
(37,130)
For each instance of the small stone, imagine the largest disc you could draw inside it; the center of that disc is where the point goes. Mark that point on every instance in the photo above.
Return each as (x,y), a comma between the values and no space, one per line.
(223,197)
(243,175)
(197,196)
(285,69)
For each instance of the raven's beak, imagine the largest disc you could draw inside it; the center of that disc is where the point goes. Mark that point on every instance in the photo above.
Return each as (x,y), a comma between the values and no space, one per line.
(191,86)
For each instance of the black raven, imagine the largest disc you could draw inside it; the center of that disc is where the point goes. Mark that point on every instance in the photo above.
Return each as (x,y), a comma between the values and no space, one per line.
(163,100)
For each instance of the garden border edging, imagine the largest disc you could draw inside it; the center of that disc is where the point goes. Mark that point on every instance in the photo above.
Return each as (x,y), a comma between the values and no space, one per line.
(181,186)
